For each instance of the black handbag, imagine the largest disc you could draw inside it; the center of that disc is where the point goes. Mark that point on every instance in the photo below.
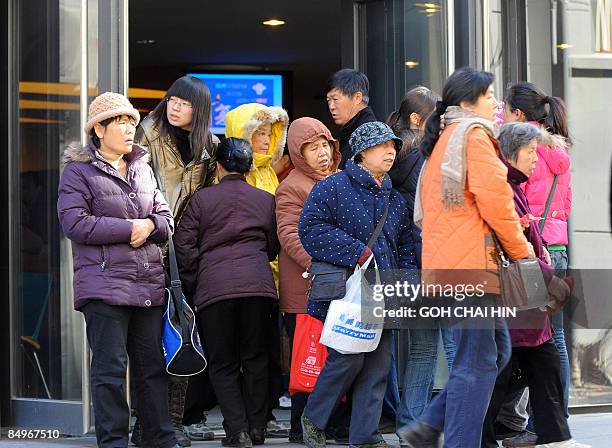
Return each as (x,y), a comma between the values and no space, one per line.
(181,343)
(328,281)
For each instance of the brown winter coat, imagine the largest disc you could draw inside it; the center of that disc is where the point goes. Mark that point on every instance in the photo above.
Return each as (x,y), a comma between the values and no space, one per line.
(290,198)
(460,239)
(176,181)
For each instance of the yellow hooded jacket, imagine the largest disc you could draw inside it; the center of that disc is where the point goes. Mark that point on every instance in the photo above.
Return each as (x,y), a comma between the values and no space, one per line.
(242,122)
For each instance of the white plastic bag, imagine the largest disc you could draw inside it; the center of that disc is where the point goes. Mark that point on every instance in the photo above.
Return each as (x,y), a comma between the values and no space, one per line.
(351,325)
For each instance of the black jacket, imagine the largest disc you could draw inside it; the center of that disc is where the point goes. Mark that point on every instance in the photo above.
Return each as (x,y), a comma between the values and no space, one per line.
(405,176)
(363,116)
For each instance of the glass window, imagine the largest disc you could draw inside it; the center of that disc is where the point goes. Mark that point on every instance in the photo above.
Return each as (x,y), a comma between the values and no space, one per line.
(47,332)
(403,44)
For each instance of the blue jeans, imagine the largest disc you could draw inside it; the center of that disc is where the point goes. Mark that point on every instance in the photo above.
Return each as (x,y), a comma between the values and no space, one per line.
(482,351)
(364,376)
(421,348)
(391,402)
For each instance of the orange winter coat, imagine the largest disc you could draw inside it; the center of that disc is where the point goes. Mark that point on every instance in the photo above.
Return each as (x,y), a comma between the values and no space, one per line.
(461,239)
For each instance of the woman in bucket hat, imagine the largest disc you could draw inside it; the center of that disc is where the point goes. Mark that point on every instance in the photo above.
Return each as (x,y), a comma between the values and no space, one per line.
(110,208)
(337,221)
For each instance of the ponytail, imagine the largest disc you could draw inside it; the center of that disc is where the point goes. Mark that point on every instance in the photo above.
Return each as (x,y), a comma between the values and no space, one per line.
(394,122)
(432,129)
(556,120)
(532,101)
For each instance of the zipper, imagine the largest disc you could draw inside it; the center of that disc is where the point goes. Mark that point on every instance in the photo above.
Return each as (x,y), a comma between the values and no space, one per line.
(104,259)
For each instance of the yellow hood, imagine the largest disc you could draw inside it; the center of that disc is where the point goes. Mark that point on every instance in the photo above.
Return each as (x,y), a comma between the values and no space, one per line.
(243,121)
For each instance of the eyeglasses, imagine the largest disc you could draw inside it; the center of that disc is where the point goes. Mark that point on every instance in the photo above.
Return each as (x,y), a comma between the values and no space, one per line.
(173,102)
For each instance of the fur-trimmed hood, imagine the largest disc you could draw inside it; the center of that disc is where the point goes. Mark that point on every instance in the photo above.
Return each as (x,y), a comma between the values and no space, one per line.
(76,152)
(243,121)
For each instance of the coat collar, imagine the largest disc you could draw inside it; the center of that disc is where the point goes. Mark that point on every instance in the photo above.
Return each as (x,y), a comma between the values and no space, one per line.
(365,179)
(515,176)
(363,116)
(233,177)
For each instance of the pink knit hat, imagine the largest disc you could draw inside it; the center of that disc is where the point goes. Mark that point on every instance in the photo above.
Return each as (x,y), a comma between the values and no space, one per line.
(109,105)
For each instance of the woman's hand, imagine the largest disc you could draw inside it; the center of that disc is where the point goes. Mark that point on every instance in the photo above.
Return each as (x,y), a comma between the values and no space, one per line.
(141,229)
(531,255)
(547,256)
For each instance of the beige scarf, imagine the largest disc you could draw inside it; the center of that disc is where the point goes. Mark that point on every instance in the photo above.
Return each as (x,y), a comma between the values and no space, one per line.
(454,164)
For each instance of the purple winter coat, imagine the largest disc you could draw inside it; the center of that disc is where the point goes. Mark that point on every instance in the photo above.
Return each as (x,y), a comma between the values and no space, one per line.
(94,206)
(536,329)
(224,243)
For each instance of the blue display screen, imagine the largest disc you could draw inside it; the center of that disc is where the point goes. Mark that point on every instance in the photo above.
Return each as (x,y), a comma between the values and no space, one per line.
(229,91)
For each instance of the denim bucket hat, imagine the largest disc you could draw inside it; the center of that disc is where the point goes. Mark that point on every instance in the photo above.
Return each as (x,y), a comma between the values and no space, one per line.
(372,134)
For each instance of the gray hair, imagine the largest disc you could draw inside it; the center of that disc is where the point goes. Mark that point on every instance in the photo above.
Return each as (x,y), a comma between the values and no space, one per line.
(513,136)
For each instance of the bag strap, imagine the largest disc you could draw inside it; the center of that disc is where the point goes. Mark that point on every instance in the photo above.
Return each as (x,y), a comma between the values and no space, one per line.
(379,226)
(175,285)
(548,202)
(500,249)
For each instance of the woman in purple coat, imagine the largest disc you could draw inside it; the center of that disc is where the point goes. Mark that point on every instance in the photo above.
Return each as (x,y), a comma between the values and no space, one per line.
(110,208)
(533,350)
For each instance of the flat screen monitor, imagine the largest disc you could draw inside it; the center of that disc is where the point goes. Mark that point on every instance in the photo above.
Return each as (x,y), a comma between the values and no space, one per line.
(229,90)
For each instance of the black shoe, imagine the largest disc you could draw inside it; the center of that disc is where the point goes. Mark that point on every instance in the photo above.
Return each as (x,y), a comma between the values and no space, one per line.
(313,436)
(258,436)
(386,425)
(296,437)
(340,435)
(503,432)
(240,440)
(419,435)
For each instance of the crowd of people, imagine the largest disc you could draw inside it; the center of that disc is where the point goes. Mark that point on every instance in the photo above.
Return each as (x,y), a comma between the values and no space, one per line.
(448,183)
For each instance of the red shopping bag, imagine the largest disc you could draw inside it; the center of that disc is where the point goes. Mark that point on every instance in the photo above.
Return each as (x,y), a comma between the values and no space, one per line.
(308,355)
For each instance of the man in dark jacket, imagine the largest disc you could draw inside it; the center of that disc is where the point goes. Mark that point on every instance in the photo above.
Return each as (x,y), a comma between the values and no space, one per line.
(347,100)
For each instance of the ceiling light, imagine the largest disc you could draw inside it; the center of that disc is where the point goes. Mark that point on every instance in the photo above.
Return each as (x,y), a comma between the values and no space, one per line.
(145,41)
(427,5)
(431,10)
(411,64)
(274,22)
(564,46)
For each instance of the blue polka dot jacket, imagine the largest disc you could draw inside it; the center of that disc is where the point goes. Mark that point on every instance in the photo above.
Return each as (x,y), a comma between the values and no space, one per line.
(339,218)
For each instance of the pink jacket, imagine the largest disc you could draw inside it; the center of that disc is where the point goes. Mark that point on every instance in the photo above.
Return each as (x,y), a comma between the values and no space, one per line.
(551,161)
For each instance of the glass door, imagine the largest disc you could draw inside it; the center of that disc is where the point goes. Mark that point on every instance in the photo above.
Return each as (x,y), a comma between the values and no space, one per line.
(53,42)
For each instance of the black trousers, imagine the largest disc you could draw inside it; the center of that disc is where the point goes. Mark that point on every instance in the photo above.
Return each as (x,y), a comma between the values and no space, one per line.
(236,335)
(540,367)
(275,374)
(113,333)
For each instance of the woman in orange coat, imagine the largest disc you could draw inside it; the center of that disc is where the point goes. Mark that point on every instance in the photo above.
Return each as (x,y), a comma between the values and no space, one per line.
(464,197)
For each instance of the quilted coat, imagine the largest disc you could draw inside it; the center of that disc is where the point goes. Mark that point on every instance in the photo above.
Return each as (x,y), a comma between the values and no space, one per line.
(551,161)
(291,195)
(339,218)
(224,242)
(94,205)
(461,238)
